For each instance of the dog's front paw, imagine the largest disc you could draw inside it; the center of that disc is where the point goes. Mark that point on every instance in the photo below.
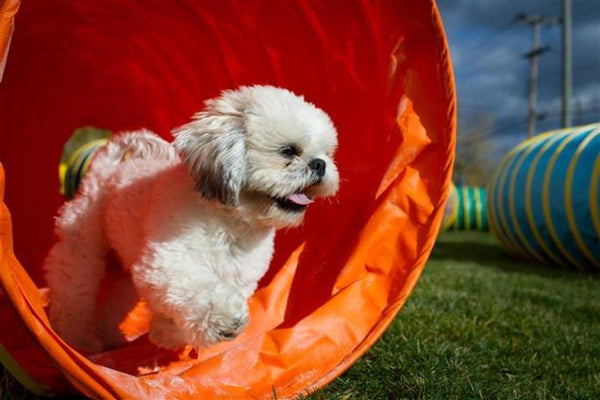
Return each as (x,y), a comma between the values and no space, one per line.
(164,333)
(227,318)
(224,315)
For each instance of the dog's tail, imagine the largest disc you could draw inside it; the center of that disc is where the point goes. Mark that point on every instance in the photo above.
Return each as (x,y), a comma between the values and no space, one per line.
(141,144)
(90,143)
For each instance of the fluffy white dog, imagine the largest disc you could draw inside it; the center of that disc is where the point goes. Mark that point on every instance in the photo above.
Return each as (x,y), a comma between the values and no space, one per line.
(193,222)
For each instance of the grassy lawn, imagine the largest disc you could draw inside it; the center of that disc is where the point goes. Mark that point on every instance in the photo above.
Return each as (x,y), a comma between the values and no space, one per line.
(478,325)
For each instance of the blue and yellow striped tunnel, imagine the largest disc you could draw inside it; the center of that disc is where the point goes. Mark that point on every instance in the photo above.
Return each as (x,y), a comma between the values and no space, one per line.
(471,211)
(466,209)
(543,201)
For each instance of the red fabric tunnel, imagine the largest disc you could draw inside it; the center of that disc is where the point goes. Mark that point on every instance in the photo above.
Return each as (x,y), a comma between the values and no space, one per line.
(380,69)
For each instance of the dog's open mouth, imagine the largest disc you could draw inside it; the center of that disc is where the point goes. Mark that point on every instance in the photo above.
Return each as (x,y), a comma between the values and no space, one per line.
(295,202)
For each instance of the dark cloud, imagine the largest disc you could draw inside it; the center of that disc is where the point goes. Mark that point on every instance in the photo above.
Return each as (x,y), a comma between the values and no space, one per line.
(497,13)
(492,76)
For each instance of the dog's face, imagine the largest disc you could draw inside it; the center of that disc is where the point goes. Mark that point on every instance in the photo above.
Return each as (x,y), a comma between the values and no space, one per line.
(264,150)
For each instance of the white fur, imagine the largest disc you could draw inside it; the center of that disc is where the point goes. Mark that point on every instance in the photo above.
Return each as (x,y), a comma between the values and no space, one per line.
(194,229)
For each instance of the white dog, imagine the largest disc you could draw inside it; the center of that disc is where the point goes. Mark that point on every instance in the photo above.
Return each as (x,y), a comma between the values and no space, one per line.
(193,222)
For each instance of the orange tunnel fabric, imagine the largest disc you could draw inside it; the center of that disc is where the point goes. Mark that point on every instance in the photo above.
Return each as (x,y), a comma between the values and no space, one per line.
(380,69)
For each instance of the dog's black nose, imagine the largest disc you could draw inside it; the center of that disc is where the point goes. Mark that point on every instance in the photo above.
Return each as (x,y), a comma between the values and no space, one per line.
(317,165)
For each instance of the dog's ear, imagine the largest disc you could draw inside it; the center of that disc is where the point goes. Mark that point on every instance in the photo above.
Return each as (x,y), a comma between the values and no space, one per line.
(213,147)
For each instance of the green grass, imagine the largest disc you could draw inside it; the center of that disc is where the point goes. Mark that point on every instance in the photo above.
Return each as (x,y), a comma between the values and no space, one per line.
(10,389)
(478,325)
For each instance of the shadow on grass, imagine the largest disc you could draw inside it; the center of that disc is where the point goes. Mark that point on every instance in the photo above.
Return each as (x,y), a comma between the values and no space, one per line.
(469,247)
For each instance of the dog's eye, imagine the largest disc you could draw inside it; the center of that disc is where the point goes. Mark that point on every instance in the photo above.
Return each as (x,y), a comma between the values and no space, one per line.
(290,151)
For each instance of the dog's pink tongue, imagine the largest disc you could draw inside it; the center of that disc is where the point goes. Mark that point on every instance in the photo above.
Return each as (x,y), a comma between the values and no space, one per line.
(299,198)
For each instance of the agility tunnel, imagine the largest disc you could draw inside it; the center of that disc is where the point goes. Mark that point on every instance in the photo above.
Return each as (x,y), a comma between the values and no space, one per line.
(466,209)
(451,209)
(380,69)
(544,199)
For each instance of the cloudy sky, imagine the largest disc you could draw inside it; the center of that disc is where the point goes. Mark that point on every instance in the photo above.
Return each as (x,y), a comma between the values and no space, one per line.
(492,76)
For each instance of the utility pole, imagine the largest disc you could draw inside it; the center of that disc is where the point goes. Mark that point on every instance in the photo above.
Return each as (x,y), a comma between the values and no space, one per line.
(536,21)
(566,42)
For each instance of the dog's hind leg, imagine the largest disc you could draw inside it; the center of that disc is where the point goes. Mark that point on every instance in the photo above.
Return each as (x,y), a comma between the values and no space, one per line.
(74,269)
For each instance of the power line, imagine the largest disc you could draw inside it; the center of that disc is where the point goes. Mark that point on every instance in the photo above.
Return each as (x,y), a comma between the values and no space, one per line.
(566,75)
(583,67)
(495,131)
(536,22)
